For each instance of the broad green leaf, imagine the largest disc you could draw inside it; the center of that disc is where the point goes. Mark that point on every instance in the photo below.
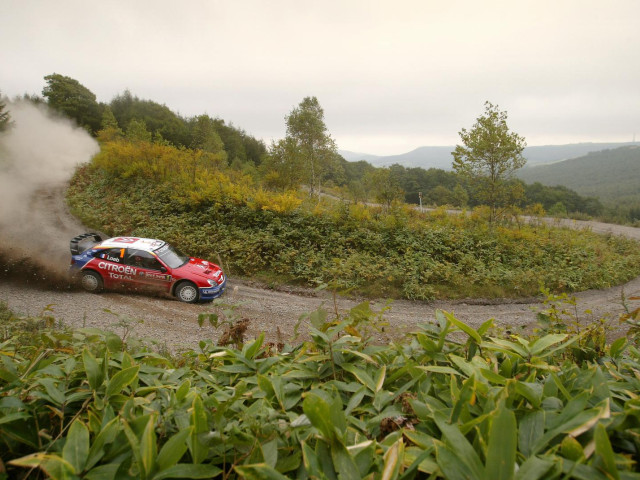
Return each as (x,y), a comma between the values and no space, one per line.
(439,369)
(392,461)
(453,466)
(459,446)
(380,378)
(343,462)
(252,349)
(310,461)
(355,400)
(361,375)
(506,346)
(464,327)
(325,413)
(56,395)
(364,356)
(538,346)
(92,369)
(605,452)
(501,453)
(198,421)
(486,326)
(531,430)
(534,468)
(585,417)
(103,472)
(54,466)
(106,436)
(531,391)
(270,452)
(12,417)
(259,471)
(173,450)
(135,448)
(121,380)
(189,470)
(76,447)
(420,439)
(464,398)
(148,448)
(617,347)
(182,390)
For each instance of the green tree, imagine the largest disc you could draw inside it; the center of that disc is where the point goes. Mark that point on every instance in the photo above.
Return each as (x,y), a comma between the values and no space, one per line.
(137,131)
(283,168)
(159,119)
(110,130)
(5,118)
(384,186)
(315,148)
(489,155)
(204,135)
(74,100)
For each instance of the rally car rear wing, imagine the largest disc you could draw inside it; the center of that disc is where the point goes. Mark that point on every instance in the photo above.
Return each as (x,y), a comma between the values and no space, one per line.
(79,244)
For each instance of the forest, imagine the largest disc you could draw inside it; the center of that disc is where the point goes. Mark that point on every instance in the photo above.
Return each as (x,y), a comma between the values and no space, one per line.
(357,181)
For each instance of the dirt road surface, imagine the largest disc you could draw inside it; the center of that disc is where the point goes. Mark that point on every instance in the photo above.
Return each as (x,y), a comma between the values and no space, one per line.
(169,322)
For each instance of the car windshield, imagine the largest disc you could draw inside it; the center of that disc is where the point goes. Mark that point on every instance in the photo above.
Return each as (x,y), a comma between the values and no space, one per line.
(172,257)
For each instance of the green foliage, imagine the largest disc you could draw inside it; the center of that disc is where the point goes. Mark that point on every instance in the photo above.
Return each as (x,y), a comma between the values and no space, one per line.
(489,156)
(307,145)
(137,131)
(74,100)
(336,406)
(191,199)
(384,186)
(204,135)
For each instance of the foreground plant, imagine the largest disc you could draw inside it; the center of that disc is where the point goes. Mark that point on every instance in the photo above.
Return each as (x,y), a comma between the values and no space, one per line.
(449,402)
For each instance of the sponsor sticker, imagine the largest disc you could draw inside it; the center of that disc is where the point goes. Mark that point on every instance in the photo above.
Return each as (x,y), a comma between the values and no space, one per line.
(122,269)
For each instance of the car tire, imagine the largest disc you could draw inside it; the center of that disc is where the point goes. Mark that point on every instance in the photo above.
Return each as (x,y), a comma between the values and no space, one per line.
(187,292)
(91,281)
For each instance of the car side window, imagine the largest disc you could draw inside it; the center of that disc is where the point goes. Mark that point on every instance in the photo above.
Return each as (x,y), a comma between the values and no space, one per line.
(142,259)
(116,255)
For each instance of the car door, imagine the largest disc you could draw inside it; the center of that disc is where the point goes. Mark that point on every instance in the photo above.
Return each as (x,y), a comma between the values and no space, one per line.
(147,270)
(110,263)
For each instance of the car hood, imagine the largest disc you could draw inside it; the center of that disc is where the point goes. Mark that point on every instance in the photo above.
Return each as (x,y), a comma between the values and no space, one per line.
(201,268)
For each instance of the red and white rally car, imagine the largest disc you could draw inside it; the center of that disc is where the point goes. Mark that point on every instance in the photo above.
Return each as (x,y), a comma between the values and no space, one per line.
(143,263)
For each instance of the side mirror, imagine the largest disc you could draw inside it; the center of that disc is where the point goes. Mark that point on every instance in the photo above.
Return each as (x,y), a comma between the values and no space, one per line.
(163,269)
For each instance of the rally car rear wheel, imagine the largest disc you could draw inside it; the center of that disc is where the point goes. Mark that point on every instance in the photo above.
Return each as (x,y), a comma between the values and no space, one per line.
(187,292)
(91,281)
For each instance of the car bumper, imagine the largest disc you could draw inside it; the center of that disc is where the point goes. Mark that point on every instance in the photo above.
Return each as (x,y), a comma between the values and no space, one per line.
(211,293)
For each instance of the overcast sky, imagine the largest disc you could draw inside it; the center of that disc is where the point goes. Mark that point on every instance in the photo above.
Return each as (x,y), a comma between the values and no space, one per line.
(391,75)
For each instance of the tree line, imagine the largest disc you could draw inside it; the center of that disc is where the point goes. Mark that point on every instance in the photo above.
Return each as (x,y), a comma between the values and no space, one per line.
(483,175)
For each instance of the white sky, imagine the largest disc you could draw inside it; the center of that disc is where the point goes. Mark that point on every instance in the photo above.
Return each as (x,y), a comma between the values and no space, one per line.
(391,75)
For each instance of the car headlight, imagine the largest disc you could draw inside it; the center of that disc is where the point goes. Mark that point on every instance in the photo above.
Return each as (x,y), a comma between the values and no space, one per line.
(212,282)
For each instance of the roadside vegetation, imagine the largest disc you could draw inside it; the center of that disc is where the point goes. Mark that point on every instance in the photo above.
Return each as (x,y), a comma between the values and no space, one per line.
(191,199)
(478,404)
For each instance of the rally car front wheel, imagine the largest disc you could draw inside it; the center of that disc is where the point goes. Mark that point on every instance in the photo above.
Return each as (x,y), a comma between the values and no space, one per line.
(187,292)
(91,281)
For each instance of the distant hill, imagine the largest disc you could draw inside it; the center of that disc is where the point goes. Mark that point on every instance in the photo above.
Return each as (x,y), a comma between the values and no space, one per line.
(440,157)
(613,175)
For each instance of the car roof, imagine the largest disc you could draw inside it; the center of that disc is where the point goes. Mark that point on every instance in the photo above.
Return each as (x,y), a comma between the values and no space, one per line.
(146,244)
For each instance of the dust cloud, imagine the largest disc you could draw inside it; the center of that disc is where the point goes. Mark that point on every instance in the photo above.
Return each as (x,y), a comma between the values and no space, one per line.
(38,156)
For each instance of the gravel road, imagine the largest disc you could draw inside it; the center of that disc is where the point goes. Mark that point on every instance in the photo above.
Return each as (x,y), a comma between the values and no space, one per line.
(169,322)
